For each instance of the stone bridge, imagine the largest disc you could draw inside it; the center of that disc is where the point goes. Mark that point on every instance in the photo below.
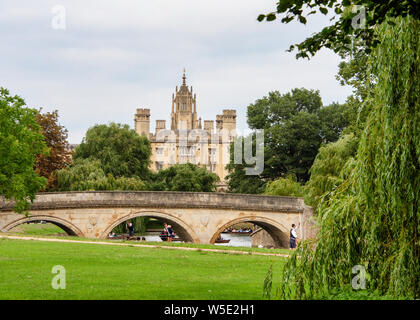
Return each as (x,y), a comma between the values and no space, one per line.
(195,217)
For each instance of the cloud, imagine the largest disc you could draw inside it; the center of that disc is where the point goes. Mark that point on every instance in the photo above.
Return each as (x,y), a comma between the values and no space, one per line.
(116,56)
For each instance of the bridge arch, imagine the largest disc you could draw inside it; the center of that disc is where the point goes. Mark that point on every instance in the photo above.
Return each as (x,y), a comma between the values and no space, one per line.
(184,231)
(276,230)
(67,226)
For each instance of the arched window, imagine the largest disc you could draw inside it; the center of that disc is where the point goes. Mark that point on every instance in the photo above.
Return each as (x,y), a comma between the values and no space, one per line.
(184,106)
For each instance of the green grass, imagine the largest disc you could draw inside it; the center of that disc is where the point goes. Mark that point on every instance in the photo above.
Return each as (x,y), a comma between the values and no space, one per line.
(115,272)
(36,233)
(39,229)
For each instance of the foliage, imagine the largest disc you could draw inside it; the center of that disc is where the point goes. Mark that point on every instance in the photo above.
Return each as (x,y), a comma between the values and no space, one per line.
(139,224)
(284,187)
(237,180)
(268,284)
(21,141)
(329,170)
(372,218)
(295,125)
(184,177)
(56,139)
(342,33)
(353,71)
(87,174)
(119,149)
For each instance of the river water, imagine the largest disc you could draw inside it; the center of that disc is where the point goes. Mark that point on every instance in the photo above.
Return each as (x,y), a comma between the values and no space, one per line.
(236,240)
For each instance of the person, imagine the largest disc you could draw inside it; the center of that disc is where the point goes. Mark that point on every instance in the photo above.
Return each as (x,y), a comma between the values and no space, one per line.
(130,228)
(164,234)
(171,233)
(293,236)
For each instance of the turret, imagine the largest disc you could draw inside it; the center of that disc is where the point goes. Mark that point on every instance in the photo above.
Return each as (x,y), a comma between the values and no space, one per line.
(142,122)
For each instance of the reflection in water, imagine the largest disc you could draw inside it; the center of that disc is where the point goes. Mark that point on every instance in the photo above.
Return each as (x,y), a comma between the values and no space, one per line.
(236,240)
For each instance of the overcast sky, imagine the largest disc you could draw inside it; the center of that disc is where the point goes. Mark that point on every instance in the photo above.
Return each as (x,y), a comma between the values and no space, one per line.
(116,56)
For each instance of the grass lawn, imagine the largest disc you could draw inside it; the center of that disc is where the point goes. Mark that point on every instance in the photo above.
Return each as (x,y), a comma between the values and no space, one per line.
(108,272)
(38,229)
(52,231)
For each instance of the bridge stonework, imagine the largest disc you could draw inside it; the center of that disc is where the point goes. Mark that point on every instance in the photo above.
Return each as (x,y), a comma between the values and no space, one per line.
(196,217)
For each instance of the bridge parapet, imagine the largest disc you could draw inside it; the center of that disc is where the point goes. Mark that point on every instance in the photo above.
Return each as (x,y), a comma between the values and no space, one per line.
(155,199)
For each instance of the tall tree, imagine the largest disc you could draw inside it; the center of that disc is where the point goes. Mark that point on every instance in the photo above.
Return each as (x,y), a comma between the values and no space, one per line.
(184,177)
(372,218)
(88,175)
(120,150)
(21,141)
(56,139)
(295,125)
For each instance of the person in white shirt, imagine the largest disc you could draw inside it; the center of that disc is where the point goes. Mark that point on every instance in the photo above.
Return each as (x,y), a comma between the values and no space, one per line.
(293,236)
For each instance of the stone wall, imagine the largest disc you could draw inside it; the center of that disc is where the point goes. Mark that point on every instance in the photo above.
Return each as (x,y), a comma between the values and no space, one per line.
(152,199)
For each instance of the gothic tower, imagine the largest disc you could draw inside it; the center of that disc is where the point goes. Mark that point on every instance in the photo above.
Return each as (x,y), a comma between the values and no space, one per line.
(184,108)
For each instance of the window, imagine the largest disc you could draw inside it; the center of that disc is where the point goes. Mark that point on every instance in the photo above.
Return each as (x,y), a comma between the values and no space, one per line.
(159,151)
(183,151)
(159,165)
(184,106)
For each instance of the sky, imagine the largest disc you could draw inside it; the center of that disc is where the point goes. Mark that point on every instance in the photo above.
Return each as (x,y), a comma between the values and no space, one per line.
(113,57)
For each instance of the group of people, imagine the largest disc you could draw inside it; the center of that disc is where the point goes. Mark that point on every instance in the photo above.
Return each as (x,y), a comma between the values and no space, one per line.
(167,232)
(233,230)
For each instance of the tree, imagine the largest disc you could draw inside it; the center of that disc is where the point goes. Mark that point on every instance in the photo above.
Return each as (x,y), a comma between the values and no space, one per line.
(56,139)
(330,169)
(88,175)
(353,71)
(295,125)
(184,177)
(284,187)
(354,23)
(120,150)
(372,218)
(21,141)
(237,180)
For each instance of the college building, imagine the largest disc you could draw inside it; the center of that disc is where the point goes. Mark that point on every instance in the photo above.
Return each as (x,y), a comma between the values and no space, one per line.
(188,138)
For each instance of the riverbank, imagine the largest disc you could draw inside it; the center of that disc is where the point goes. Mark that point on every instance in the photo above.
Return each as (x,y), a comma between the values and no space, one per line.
(159,245)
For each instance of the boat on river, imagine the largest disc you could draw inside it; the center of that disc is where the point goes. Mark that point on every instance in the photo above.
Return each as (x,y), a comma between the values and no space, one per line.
(237,232)
(222,241)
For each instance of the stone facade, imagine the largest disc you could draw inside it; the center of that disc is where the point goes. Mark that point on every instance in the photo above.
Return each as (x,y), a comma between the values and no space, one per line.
(187,140)
(196,217)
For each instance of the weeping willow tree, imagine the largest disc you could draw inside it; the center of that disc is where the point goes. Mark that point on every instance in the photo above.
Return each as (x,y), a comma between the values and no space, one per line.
(372,218)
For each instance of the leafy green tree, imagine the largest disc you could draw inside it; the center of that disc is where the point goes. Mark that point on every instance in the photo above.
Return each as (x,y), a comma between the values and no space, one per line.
(237,180)
(353,71)
(120,150)
(372,218)
(330,169)
(284,187)
(184,177)
(88,175)
(21,141)
(351,25)
(295,125)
